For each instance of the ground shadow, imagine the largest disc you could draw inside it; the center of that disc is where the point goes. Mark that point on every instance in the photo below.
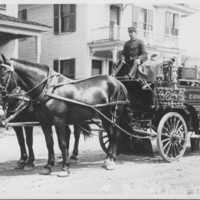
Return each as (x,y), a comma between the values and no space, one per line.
(86,160)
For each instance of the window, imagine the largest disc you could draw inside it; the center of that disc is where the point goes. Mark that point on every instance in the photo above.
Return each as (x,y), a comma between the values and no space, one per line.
(64,18)
(22,14)
(96,67)
(2,6)
(172,23)
(65,67)
(114,14)
(143,18)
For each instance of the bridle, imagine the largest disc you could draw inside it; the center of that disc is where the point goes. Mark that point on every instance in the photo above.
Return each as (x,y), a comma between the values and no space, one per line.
(4,90)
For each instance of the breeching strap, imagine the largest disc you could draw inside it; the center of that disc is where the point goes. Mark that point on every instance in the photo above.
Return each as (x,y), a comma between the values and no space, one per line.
(95,109)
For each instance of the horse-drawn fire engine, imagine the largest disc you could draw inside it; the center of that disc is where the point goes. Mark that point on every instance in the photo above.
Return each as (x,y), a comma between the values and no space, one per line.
(166,109)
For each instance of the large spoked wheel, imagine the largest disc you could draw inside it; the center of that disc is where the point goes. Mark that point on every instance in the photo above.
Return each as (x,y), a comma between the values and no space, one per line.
(172,136)
(104,141)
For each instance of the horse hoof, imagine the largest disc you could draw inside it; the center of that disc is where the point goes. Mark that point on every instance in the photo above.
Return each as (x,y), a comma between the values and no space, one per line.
(29,167)
(45,171)
(63,174)
(111,166)
(20,165)
(106,162)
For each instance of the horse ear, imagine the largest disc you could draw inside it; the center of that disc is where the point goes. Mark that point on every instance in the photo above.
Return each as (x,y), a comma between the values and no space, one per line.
(4,58)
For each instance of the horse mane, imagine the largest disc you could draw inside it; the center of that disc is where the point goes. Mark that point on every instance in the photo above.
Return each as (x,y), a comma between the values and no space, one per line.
(33,64)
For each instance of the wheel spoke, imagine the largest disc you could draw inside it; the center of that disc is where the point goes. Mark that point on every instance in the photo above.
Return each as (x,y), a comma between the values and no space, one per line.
(166,130)
(166,139)
(169,126)
(168,149)
(106,142)
(174,123)
(176,148)
(166,145)
(177,124)
(179,129)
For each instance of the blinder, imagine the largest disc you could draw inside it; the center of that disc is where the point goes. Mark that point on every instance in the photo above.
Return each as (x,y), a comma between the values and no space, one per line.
(3,92)
(3,89)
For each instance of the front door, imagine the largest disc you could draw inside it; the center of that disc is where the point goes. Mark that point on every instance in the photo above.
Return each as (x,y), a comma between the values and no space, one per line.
(96,67)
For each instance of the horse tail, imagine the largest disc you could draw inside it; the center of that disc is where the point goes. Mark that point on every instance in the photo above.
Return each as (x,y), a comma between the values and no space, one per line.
(86,130)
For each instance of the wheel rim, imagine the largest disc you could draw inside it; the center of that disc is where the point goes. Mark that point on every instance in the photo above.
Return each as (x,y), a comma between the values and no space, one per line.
(172,136)
(104,140)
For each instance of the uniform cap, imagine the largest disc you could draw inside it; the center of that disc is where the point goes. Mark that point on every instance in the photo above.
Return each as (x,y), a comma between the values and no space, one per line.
(132,29)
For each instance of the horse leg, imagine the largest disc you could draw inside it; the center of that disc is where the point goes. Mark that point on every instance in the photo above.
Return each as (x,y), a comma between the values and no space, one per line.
(47,130)
(77,132)
(67,134)
(61,134)
(29,141)
(21,141)
(113,134)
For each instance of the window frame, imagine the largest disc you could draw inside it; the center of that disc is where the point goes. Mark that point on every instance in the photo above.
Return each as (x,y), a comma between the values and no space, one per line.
(147,23)
(171,23)
(59,18)
(22,14)
(118,14)
(2,6)
(57,65)
(100,68)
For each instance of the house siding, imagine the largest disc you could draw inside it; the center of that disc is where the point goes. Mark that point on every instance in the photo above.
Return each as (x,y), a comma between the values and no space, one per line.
(9,47)
(64,45)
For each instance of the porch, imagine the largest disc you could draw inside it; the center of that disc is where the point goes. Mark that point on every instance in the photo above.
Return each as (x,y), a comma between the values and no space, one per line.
(12,29)
(109,41)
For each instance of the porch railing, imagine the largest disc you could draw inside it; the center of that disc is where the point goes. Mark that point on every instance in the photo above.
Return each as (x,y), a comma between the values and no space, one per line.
(109,33)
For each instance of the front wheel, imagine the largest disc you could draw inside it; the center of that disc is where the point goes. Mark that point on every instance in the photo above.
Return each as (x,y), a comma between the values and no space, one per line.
(172,136)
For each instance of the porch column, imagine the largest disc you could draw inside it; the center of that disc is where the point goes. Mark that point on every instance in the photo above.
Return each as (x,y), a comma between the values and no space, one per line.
(38,47)
(114,54)
(115,30)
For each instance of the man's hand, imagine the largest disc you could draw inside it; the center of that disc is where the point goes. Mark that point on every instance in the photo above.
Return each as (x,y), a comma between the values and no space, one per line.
(137,61)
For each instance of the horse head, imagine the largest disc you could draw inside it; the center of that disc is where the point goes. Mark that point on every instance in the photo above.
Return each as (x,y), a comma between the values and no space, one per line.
(27,75)
(6,69)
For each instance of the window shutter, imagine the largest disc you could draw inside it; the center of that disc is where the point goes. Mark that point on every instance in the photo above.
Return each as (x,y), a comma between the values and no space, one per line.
(56,65)
(72,68)
(56,18)
(73,17)
(73,23)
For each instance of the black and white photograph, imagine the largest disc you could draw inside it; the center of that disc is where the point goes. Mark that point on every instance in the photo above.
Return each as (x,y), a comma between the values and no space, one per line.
(99,99)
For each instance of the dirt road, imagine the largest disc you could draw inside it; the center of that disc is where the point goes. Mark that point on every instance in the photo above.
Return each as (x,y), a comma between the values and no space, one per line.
(134,177)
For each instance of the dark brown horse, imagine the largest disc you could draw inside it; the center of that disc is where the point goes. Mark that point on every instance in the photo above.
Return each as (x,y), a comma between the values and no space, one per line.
(10,106)
(19,109)
(58,102)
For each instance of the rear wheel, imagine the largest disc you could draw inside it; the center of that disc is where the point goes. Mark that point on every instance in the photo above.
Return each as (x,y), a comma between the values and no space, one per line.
(104,141)
(172,136)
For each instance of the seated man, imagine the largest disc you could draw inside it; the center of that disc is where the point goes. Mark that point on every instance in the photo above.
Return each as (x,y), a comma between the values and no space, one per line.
(133,53)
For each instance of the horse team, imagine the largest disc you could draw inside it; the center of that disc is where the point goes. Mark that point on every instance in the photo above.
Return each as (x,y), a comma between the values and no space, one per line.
(55,100)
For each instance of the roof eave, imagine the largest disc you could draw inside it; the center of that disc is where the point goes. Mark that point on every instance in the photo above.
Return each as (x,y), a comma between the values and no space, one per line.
(25,26)
(183,9)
